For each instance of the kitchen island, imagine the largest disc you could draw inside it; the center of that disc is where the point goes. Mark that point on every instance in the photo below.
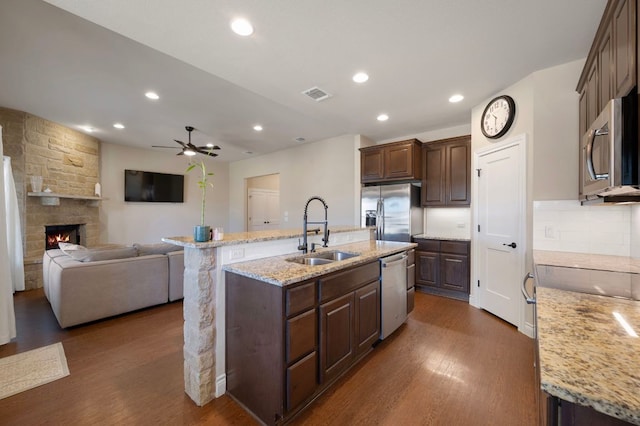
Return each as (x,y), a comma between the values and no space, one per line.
(586,356)
(294,329)
(204,295)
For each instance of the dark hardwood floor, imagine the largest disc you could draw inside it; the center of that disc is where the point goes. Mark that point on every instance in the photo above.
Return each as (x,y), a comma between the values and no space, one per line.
(450,364)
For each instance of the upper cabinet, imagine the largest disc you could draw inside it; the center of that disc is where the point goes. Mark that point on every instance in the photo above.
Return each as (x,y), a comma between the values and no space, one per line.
(390,162)
(447,172)
(610,69)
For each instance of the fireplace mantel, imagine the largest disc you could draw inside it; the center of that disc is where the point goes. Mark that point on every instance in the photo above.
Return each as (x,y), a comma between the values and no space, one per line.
(53,199)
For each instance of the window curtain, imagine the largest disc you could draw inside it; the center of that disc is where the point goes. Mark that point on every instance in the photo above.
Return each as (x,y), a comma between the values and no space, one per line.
(7,315)
(14,235)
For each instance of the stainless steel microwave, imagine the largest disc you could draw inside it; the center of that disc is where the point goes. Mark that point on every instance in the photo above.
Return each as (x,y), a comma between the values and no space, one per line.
(609,154)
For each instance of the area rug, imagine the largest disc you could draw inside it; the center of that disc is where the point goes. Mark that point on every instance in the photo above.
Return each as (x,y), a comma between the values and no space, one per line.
(33,368)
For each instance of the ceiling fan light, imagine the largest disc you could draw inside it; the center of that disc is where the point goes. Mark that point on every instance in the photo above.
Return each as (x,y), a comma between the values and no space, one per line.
(189,152)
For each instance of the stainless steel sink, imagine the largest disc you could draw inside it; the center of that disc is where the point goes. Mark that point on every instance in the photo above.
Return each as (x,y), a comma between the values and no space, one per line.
(310,260)
(334,255)
(322,258)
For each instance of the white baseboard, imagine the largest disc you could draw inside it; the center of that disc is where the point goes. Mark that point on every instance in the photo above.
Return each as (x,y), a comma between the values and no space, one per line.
(221,385)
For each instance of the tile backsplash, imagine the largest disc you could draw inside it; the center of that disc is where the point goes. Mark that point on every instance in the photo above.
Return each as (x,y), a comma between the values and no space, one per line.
(448,222)
(565,225)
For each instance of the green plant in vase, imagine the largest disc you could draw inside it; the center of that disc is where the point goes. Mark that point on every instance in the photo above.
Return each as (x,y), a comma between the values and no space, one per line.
(202,232)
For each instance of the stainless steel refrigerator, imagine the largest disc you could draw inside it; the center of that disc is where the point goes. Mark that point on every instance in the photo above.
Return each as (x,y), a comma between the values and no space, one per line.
(394,210)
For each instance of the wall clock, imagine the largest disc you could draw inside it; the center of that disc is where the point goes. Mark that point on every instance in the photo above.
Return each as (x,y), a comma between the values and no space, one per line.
(498,116)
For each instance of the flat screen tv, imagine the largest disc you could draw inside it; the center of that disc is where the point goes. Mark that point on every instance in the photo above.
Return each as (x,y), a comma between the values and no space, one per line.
(153,187)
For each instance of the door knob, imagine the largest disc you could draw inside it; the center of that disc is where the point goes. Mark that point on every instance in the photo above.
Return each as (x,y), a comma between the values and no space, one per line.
(512,245)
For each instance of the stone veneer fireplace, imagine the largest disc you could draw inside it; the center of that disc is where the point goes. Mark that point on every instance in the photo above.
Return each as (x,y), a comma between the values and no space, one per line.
(69,162)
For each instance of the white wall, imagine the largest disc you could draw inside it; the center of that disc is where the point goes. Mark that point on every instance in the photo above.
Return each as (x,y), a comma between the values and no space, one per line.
(434,135)
(556,142)
(329,169)
(126,222)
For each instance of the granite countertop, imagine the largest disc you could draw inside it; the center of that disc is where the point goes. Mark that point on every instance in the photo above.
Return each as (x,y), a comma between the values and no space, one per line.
(254,237)
(599,262)
(278,271)
(586,356)
(440,237)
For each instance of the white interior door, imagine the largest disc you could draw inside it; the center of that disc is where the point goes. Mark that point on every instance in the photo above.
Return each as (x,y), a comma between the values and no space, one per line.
(264,209)
(501,217)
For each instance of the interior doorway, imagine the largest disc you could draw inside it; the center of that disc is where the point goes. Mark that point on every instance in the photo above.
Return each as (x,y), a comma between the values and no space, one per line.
(501,233)
(263,203)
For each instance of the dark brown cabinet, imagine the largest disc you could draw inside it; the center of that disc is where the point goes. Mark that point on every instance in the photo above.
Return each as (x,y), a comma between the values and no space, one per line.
(337,346)
(396,161)
(442,267)
(447,172)
(610,68)
(286,345)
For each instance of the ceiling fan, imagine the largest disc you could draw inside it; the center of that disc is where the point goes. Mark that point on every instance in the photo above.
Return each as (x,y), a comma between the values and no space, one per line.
(190,149)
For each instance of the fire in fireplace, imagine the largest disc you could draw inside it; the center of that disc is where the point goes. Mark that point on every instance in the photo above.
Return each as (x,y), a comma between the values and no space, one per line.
(55,234)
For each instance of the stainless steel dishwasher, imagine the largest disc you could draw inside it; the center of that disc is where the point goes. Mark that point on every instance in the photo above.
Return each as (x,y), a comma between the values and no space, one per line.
(393,303)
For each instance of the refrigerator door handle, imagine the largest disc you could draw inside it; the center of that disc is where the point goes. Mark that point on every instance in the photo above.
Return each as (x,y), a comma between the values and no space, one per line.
(382,219)
(379,219)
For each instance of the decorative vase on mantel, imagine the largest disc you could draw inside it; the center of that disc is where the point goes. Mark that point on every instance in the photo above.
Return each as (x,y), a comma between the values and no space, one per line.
(201,233)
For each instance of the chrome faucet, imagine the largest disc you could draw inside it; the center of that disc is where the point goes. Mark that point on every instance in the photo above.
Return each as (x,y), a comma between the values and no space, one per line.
(325,222)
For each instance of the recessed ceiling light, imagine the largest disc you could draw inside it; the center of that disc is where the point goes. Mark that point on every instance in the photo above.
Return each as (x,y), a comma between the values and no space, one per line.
(152,95)
(257,128)
(242,27)
(360,77)
(118,125)
(456,98)
(87,129)
(383,117)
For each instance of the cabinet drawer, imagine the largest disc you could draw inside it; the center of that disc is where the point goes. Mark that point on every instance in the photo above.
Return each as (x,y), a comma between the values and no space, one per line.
(455,247)
(344,282)
(411,257)
(300,298)
(411,276)
(301,335)
(411,296)
(302,380)
(428,245)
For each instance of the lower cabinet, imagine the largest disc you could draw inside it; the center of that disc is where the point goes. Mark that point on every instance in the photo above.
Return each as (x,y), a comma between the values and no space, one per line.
(286,345)
(442,267)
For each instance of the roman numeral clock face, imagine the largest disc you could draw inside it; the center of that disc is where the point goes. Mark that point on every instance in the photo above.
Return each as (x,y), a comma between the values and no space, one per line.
(498,116)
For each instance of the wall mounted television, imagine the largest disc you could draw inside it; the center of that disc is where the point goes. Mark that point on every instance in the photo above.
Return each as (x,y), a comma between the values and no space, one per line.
(153,187)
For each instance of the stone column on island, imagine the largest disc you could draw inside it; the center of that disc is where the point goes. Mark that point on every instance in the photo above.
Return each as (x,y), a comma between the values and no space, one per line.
(199,318)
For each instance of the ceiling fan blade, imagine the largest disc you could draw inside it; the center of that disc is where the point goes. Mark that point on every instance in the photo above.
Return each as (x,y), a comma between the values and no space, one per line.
(170,147)
(184,145)
(206,148)
(180,153)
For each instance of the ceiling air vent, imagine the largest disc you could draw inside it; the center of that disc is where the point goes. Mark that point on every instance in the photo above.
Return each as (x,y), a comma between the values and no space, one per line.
(316,94)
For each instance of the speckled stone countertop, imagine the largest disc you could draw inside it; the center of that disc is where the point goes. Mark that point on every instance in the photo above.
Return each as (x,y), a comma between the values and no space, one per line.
(586,356)
(587,261)
(440,237)
(254,237)
(278,271)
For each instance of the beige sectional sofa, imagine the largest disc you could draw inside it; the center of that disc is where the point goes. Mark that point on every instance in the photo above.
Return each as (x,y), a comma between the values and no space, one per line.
(87,285)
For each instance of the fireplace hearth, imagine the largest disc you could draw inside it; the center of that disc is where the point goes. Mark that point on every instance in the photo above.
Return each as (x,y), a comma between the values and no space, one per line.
(55,234)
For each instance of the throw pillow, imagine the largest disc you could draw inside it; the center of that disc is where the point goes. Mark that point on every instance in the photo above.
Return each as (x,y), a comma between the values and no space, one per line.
(75,251)
(109,254)
(159,248)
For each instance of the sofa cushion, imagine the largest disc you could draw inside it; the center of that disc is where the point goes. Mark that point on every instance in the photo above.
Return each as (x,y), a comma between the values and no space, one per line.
(76,251)
(94,255)
(158,248)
